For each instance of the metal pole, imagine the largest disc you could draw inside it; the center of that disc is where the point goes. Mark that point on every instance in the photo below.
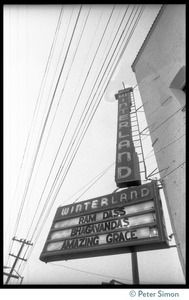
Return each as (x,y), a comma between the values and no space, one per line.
(13,276)
(17,257)
(135,272)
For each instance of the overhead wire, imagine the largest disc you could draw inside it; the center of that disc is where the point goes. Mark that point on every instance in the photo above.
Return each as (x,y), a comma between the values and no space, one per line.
(75,133)
(91,93)
(152,125)
(95,35)
(57,64)
(80,142)
(38,103)
(71,144)
(39,95)
(90,120)
(161,123)
(155,109)
(87,272)
(88,73)
(100,176)
(156,152)
(55,156)
(18,218)
(98,274)
(44,125)
(161,178)
(39,202)
(72,159)
(159,151)
(67,126)
(41,88)
(84,131)
(95,108)
(129,37)
(49,95)
(165,120)
(94,180)
(146,83)
(90,47)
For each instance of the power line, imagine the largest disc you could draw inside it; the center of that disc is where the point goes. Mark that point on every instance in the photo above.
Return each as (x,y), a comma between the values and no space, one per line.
(92,180)
(75,152)
(51,89)
(58,62)
(102,174)
(96,179)
(161,123)
(173,170)
(144,84)
(77,100)
(43,129)
(66,153)
(93,115)
(41,89)
(96,106)
(78,128)
(46,119)
(74,155)
(51,205)
(51,126)
(165,120)
(148,136)
(37,102)
(85,130)
(147,157)
(57,154)
(97,274)
(151,112)
(87,272)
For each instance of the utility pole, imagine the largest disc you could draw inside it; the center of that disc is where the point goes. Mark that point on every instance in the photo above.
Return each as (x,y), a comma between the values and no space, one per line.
(24,242)
(13,276)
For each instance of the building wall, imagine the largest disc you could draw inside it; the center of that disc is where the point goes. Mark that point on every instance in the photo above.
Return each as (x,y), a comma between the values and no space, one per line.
(160,72)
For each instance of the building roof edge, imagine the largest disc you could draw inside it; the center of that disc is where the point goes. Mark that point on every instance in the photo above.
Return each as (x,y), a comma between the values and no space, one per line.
(147,37)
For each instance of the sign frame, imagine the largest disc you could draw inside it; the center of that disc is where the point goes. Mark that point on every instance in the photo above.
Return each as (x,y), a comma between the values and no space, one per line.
(127,172)
(144,244)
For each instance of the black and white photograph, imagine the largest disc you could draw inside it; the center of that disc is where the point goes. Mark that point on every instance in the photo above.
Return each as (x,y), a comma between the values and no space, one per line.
(94,117)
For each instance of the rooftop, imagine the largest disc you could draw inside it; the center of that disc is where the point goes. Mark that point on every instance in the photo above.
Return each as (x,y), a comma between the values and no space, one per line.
(147,37)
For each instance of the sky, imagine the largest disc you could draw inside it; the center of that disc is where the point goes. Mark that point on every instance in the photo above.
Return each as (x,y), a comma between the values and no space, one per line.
(57,62)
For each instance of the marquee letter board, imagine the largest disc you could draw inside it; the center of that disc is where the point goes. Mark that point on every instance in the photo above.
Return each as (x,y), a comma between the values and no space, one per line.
(108,224)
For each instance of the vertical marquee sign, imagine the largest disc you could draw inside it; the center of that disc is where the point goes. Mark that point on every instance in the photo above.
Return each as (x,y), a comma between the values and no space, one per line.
(121,222)
(127,171)
(107,225)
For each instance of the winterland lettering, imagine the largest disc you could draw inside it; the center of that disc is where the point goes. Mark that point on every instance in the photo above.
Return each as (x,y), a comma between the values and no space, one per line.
(127,196)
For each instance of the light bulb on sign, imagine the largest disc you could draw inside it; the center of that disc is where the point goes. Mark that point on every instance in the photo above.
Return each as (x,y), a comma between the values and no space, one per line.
(153,232)
(54,246)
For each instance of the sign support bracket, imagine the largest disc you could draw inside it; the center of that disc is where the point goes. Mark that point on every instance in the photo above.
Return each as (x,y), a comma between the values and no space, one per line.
(134,261)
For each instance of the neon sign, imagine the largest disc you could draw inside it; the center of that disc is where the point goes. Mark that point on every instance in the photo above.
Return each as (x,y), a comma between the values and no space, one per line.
(127,166)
